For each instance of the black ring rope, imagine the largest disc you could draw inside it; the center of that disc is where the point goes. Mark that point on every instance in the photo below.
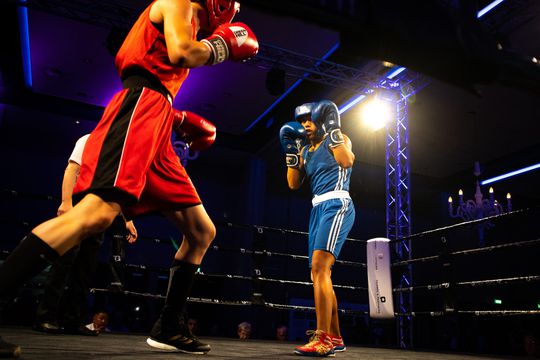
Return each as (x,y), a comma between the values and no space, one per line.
(245,251)
(499,312)
(226,302)
(158,296)
(248,278)
(447,285)
(470,312)
(503,281)
(311,309)
(261,228)
(225,276)
(341,311)
(461,224)
(349,287)
(469,251)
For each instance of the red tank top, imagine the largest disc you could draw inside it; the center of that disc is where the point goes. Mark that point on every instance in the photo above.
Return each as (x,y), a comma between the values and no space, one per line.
(144,47)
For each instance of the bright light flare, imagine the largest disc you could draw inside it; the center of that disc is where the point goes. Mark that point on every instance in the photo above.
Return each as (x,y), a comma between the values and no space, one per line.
(376,113)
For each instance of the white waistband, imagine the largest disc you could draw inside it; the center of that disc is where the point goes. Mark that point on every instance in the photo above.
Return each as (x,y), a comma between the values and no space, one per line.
(338,194)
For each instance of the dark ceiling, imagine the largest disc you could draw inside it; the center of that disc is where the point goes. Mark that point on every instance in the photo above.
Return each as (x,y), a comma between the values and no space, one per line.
(480,102)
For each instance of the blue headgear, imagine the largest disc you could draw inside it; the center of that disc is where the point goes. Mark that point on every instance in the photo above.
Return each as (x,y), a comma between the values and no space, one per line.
(305,110)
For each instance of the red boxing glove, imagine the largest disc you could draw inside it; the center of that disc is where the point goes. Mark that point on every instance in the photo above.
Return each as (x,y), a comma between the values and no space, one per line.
(198,133)
(233,41)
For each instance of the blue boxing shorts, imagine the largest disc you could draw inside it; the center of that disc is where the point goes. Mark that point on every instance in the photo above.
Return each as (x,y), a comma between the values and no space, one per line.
(329,224)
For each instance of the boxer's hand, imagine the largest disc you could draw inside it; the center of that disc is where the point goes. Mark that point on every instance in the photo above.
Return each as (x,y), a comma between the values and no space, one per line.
(64,207)
(197,132)
(293,137)
(132,232)
(327,114)
(233,41)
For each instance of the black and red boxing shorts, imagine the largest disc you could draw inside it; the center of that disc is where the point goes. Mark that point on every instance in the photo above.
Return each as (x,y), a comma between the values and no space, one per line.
(129,158)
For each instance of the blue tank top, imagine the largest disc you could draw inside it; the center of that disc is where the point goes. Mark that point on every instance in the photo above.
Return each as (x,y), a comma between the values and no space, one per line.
(323,171)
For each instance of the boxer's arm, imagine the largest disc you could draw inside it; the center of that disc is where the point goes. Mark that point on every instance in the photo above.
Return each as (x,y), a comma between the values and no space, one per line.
(132,232)
(296,175)
(68,183)
(343,153)
(175,17)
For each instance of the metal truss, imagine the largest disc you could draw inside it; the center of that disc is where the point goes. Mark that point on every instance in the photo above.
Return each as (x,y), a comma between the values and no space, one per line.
(314,69)
(398,209)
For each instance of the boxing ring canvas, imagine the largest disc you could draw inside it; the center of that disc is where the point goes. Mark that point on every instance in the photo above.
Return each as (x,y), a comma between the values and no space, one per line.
(37,346)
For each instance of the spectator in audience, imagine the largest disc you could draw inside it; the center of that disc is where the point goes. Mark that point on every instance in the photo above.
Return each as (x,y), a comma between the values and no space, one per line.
(244,330)
(99,323)
(193,325)
(282,333)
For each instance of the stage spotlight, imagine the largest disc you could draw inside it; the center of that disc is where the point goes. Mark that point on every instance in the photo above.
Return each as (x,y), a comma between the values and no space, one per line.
(376,113)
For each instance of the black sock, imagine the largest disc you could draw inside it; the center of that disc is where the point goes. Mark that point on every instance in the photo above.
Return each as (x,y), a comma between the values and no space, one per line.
(181,279)
(26,261)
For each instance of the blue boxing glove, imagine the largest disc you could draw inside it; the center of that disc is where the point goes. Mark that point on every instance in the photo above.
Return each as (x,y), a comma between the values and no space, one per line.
(326,114)
(293,137)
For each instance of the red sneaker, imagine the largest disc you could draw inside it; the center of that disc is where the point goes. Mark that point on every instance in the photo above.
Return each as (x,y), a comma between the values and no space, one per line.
(319,344)
(338,343)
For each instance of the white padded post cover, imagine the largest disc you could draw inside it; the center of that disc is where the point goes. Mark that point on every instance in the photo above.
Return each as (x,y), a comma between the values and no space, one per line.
(381,300)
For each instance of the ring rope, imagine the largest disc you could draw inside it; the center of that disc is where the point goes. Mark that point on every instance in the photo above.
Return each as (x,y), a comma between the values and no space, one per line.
(461,224)
(349,287)
(270,254)
(469,251)
(249,278)
(470,312)
(261,228)
(312,309)
(341,311)
(446,285)
(226,302)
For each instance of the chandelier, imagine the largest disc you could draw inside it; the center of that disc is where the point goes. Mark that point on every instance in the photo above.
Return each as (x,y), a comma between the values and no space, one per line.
(480,207)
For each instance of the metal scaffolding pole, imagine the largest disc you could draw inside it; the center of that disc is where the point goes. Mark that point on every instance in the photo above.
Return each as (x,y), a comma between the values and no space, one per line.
(398,209)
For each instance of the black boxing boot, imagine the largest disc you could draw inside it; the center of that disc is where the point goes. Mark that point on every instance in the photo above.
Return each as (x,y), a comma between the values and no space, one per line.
(28,259)
(170,332)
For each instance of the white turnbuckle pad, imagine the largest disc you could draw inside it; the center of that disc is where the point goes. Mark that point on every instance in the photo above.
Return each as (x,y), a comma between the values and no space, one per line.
(381,300)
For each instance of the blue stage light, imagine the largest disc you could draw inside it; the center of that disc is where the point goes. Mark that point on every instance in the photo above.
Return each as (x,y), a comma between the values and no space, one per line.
(22,13)
(510,174)
(488,8)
